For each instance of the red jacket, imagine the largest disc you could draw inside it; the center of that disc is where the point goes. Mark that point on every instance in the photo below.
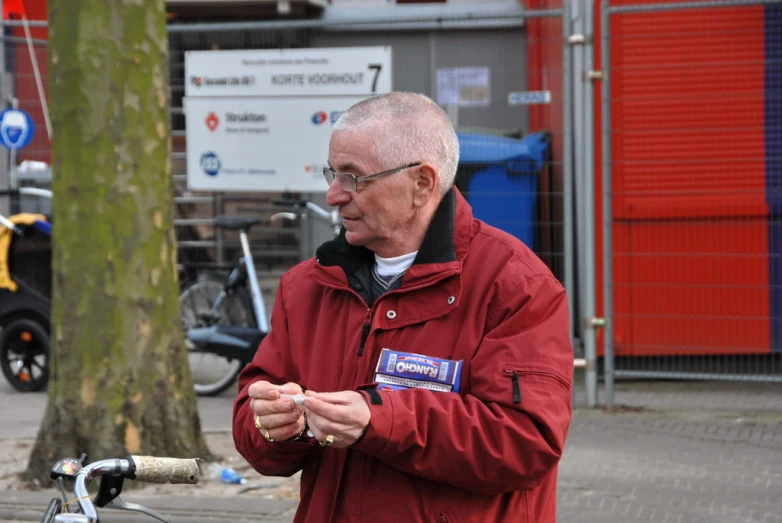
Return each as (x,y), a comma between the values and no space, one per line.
(487,453)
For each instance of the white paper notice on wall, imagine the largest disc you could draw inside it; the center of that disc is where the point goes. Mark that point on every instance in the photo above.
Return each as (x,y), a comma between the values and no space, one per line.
(464,86)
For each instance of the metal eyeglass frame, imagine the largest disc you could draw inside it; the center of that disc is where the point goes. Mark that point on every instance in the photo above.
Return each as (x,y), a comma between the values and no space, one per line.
(331,175)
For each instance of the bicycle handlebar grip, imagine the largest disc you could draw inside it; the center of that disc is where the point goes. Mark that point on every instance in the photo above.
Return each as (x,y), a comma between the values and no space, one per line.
(152,469)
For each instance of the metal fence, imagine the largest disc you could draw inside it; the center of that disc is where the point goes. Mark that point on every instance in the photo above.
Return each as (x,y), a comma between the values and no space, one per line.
(691,157)
(510,48)
(657,202)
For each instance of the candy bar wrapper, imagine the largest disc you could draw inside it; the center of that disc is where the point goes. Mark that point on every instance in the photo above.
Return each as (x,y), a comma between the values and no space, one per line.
(398,370)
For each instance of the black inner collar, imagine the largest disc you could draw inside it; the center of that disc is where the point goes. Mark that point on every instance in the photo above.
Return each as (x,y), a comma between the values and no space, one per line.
(437,246)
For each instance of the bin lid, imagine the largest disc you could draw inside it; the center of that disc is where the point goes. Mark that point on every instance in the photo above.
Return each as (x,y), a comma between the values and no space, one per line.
(483,149)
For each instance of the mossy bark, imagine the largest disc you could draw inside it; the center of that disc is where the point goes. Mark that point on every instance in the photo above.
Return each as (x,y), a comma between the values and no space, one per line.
(120,381)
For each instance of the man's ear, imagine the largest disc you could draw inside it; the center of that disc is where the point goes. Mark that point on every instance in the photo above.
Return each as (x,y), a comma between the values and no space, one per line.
(425,188)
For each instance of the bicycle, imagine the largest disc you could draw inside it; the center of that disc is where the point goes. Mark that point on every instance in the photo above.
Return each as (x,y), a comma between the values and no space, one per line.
(113,473)
(224,319)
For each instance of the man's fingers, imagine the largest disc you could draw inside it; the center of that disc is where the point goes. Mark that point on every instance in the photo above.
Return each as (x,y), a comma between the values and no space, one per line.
(322,427)
(264,390)
(281,419)
(290,388)
(336,398)
(263,407)
(283,432)
(334,413)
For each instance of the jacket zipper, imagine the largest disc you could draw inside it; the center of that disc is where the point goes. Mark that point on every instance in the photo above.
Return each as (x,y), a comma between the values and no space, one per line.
(365,331)
(514,378)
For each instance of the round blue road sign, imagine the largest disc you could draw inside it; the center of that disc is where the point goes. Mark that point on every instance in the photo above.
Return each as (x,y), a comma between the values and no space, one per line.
(16,128)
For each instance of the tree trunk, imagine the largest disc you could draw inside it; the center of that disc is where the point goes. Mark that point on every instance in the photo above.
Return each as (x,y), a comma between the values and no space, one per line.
(120,380)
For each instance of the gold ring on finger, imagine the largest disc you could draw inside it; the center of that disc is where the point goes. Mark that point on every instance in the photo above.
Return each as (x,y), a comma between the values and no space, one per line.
(263,430)
(328,441)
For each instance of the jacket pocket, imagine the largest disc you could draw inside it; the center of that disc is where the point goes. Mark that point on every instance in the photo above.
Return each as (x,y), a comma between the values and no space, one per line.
(517,375)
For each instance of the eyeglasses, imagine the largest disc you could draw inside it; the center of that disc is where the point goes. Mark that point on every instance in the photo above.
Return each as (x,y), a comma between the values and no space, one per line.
(349,181)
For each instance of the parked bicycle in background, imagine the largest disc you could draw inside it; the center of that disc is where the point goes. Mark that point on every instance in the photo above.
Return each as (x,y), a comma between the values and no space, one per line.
(224,318)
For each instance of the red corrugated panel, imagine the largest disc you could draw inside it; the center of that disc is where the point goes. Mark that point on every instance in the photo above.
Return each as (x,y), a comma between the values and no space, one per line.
(691,287)
(687,113)
(690,238)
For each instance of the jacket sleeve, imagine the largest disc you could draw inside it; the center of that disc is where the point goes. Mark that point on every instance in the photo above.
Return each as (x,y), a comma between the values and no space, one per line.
(509,431)
(271,363)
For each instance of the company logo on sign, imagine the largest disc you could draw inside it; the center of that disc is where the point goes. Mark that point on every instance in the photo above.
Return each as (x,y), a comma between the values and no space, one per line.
(210,163)
(212,121)
(245,117)
(319,117)
(208,81)
(335,116)
(315,168)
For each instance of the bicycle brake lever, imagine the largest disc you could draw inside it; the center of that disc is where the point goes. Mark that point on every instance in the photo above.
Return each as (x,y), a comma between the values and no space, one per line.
(118,504)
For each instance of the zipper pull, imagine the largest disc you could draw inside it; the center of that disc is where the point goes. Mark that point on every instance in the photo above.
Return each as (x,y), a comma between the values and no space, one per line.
(514,378)
(365,331)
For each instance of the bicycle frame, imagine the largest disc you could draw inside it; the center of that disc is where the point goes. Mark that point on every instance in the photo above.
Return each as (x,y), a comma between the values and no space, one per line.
(236,277)
(259,306)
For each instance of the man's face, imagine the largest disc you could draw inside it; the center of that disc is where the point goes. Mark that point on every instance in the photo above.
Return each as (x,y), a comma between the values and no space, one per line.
(378,214)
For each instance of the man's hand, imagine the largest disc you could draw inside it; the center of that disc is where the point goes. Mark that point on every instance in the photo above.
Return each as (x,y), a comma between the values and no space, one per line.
(280,417)
(343,415)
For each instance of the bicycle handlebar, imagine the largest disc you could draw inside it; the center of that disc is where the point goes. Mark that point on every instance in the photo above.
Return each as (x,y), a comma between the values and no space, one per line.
(330,216)
(33,191)
(149,469)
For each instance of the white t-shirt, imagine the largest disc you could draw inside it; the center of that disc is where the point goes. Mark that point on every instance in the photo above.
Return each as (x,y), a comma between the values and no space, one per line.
(392,266)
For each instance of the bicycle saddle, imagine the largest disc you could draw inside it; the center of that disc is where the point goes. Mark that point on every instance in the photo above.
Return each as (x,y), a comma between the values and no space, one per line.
(235,223)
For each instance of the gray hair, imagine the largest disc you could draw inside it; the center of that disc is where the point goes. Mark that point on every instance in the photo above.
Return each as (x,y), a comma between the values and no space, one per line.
(407,128)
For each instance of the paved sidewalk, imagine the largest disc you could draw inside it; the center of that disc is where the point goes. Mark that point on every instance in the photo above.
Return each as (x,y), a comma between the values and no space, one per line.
(671,452)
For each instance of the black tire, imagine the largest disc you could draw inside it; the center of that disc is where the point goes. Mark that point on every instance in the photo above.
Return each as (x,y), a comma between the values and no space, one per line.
(52,509)
(24,354)
(212,374)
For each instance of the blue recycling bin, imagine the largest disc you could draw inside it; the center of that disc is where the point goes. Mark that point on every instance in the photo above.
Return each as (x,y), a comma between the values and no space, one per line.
(499,177)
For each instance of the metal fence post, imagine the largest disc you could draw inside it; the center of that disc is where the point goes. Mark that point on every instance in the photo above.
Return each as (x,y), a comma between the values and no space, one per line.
(608,301)
(590,274)
(567,168)
(584,201)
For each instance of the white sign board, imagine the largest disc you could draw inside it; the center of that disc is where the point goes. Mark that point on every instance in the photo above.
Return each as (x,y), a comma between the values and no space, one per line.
(260,144)
(261,120)
(348,71)
(529,97)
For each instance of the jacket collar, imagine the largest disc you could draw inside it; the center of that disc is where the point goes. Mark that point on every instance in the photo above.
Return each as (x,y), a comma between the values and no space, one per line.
(444,244)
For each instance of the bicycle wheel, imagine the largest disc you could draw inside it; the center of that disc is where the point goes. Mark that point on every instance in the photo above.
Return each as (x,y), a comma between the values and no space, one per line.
(52,509)
(211,373)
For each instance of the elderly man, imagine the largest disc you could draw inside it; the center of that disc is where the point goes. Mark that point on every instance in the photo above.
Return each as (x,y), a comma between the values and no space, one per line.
(433,350)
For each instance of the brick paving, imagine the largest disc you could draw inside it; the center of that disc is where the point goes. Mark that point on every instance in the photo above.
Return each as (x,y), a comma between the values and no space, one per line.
(669,452)
(676,452)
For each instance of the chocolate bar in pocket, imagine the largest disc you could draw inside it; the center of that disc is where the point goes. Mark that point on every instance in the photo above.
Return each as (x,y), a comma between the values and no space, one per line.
(404,370)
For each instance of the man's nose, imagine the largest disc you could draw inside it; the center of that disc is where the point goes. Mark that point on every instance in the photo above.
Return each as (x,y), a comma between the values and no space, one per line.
(336,195)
